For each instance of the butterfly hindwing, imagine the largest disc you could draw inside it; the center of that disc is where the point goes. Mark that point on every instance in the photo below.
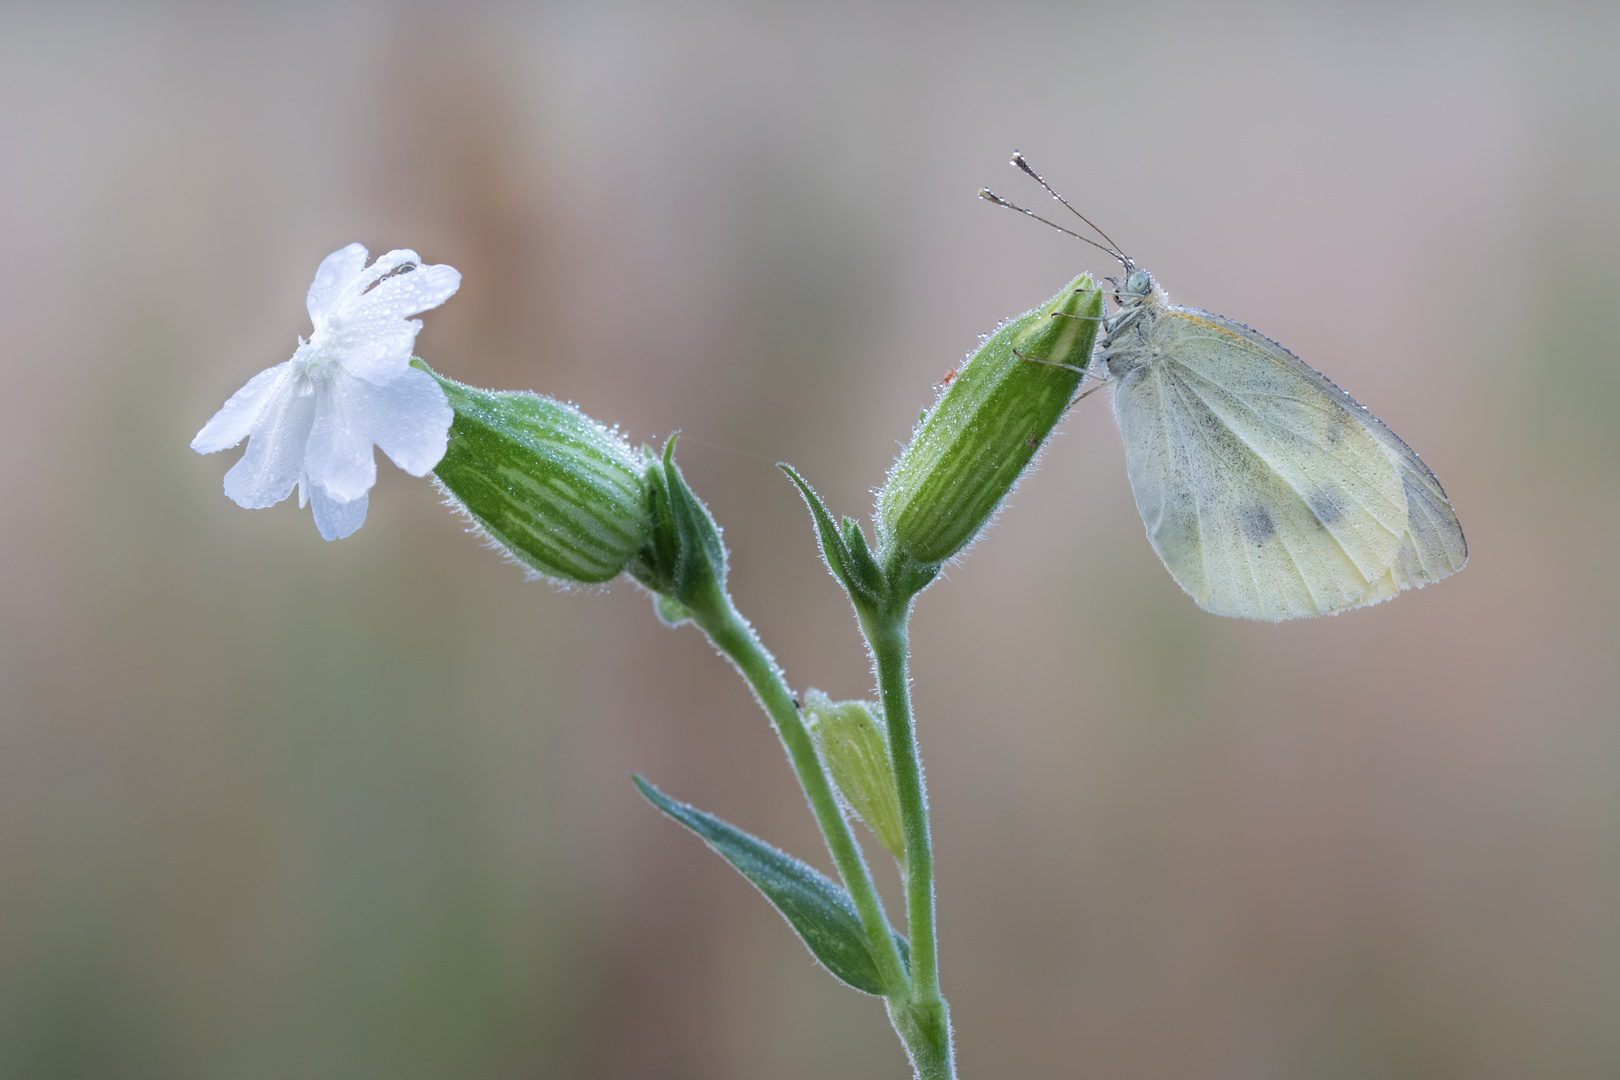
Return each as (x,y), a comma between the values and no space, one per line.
(1262,491)
(1432,545)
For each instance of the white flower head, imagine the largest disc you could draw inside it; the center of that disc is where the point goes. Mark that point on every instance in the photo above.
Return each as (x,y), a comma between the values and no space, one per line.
(311,422)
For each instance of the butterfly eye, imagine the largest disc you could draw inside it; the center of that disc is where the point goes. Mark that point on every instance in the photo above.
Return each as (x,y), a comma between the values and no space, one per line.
(1139,282)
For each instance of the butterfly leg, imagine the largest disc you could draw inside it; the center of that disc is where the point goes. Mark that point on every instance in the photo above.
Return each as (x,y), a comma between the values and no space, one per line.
(1086,372)
(1052,363)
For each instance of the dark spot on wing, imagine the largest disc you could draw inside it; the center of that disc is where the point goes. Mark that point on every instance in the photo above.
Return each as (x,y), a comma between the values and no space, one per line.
(1326,505)
(1256,524)
(1335,431)
(402,268)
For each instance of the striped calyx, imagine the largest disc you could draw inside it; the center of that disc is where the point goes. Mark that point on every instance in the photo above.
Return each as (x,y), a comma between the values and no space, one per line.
(969,450)
(562,494)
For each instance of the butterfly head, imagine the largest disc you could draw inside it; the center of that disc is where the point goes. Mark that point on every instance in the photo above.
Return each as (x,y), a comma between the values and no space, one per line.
(1136,287)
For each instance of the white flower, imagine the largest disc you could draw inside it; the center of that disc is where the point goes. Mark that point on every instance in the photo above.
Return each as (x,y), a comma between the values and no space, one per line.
(311,422)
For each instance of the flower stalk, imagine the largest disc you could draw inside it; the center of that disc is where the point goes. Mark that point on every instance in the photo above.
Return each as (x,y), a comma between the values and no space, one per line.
(684,562)
(736,640)
(924,1017)
(571,501)
(964,458)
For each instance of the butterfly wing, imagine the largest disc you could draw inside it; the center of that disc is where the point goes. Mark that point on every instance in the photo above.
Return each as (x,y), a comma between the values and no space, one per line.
(1262,490)
(1433,545)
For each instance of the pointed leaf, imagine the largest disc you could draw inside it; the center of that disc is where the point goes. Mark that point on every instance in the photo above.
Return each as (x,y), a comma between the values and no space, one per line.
(818,909)
(834,551)
(863,568)
(700,565)
(654,566)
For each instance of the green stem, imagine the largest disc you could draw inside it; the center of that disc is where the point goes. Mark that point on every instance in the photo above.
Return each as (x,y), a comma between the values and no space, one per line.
(926,1033)
(732,635)
(923,1021)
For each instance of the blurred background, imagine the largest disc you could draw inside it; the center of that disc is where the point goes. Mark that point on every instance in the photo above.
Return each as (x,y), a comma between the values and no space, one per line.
(272,807)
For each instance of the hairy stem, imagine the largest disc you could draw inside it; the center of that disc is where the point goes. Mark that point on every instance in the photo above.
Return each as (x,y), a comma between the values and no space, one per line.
(734,637)
(923,1021)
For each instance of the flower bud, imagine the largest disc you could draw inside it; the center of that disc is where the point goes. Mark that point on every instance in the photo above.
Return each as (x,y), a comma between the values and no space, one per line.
(562,494)
(968,452)
(855,746)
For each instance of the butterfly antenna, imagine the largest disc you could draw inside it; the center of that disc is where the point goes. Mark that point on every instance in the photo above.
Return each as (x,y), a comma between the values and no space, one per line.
(990,196)
(1020,162)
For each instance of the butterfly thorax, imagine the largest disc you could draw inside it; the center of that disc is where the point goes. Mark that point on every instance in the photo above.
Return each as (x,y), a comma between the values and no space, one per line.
(1128,333)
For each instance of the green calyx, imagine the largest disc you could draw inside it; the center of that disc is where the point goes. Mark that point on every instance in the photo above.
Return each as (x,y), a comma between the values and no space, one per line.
(854,744)
(969,450)
(559,492)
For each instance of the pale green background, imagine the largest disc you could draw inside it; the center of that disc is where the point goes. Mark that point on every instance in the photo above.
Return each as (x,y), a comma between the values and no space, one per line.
(271,807)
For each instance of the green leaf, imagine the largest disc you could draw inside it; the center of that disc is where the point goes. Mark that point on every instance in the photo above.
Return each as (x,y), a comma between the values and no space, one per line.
(654,566)
(818,909)
(853,568)
(700,565)
(683,560)
(863,568)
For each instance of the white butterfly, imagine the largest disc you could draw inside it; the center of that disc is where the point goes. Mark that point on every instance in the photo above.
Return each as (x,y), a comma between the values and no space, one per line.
(1268,492)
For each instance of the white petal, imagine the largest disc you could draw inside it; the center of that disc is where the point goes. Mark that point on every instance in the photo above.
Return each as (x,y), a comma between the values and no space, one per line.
(385,265)
(275,454)
(367,279)
(410,419)
(369,329)
(375,346)
(392,288)
(372,333)
(336,272)
(336,519)
(338,456)
(236,418)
